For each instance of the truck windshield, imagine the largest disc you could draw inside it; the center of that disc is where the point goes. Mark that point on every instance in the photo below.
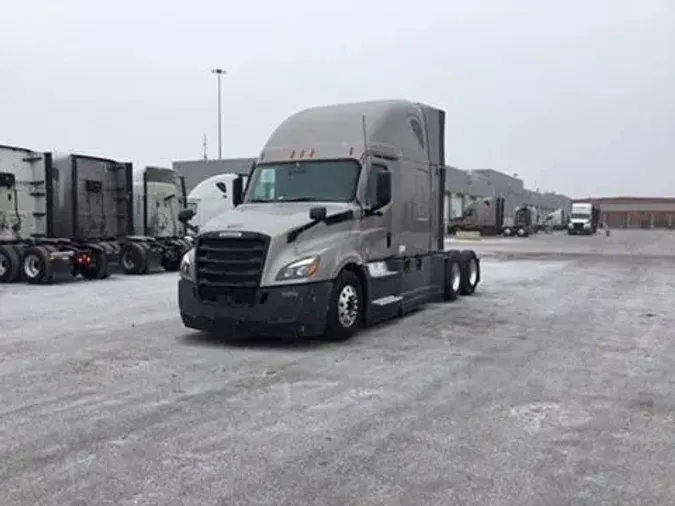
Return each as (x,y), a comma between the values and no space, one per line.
(580,216)
(306,181)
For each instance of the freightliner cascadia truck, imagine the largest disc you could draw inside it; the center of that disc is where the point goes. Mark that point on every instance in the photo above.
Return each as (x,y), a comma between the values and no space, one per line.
(340,226)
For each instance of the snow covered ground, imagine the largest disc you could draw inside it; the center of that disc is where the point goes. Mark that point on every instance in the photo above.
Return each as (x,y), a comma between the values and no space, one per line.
(552,385)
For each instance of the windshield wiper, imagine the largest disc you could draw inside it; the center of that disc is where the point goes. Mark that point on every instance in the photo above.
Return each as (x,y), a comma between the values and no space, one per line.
(258,201)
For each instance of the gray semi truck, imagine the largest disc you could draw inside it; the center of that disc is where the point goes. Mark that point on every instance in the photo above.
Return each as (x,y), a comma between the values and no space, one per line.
(68,216)
(340,226)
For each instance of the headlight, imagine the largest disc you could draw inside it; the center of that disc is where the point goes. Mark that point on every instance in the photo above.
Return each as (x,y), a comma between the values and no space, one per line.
(300,269)
(587,225)
(187,265)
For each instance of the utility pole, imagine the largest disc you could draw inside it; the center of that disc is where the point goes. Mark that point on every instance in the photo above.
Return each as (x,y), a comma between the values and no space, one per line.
(219,73)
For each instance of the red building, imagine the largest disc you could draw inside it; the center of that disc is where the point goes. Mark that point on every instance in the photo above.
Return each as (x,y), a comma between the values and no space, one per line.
(635,212)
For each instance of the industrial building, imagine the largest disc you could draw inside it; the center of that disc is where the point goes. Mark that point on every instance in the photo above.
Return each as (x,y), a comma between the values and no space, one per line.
(635,212)
(461,187)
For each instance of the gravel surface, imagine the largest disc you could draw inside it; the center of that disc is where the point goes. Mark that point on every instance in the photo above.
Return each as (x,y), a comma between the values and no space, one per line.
(553,385)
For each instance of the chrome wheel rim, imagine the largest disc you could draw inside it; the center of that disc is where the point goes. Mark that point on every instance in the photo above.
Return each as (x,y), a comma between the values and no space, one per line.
(31,266)
(473,271)
(4,265)
(456,277)
(348,306)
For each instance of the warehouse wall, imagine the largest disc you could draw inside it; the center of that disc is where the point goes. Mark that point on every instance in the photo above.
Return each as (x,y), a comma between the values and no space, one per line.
(635,212)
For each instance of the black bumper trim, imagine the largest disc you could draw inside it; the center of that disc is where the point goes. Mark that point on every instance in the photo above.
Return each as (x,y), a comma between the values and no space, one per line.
(291,310)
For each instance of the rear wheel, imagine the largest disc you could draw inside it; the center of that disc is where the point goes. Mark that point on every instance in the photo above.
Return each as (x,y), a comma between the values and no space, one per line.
(470,272)
(171,259)
(98,268)
(37,266)
(10,264)
(453,278)
(134,258)
(346,307)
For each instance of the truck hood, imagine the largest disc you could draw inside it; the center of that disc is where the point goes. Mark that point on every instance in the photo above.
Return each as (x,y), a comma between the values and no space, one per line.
(270,218)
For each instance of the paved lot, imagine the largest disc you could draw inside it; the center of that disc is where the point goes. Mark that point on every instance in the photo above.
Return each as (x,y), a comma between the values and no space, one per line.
(554,385)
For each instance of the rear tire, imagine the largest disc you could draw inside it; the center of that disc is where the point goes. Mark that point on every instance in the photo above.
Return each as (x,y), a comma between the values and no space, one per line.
(37,266)
(346,308)
(98,269)
(10,264)
(453,277)
(134,258)
(171,259)
(470,272)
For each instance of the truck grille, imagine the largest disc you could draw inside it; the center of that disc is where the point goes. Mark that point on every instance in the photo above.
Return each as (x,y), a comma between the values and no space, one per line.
(229,268)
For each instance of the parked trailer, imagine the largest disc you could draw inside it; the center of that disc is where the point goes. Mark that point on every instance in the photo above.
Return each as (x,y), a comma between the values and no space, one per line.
(60,217)
(485,216)
(525,222)
(341,226)
(159,240)
(73,215)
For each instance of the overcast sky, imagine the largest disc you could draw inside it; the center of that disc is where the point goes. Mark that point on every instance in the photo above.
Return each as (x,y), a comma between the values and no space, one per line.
(575,96)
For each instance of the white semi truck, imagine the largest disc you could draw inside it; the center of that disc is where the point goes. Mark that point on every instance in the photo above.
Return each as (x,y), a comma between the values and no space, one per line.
(211,198)
(341,225)
(584,219)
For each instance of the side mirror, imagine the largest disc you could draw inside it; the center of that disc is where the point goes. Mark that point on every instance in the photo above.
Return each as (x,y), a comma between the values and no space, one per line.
(383,190)
(185,215)
(237,191)
(318,213)
(222,187)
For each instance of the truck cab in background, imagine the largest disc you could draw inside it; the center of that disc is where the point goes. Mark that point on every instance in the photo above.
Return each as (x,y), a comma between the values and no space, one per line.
(341,225)
(210,198)
(584,219)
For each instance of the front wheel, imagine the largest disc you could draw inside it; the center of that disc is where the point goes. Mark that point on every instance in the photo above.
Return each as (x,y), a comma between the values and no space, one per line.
(346,308)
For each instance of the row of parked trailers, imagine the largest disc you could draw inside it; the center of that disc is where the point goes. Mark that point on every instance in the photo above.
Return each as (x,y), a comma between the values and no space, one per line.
(77,215)
(489,217)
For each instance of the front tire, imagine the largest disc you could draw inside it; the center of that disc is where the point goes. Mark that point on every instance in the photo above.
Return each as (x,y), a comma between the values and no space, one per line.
(346,307)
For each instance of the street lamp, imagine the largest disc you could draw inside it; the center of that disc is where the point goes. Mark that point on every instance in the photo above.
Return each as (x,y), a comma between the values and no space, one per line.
(219,73)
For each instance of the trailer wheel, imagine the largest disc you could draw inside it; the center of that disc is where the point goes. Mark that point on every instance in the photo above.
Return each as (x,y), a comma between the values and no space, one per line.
(98,268)
(453,277)
(134,258)
(522,232)
(470,272)
(508,232)
(10,264)
(37,266)
(346,308)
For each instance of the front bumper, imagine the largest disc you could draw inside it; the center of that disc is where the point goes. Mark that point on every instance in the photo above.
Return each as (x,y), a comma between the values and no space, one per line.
(280,311)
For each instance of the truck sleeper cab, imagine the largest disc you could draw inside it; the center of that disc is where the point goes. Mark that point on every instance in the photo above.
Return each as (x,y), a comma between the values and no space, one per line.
(340,226)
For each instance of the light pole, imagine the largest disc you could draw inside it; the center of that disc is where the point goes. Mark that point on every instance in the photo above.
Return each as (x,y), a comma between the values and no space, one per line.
(219,73)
